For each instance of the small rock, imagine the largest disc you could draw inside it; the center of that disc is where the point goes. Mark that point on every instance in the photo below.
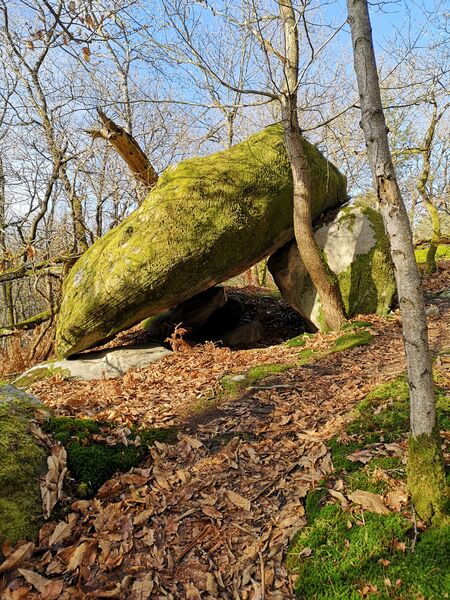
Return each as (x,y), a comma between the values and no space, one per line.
(432,311)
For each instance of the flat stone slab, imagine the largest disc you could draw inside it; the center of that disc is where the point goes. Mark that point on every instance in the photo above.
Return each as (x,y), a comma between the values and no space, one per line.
(103,364)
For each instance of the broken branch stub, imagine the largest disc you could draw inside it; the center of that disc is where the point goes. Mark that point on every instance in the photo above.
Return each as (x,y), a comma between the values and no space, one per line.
(127,147)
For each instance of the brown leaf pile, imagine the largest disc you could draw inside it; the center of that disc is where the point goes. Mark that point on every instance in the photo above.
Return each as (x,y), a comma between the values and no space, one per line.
(211,516)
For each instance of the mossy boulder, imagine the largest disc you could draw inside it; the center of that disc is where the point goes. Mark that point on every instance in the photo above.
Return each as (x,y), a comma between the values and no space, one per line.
(22,462)
(356,248)
(206,220)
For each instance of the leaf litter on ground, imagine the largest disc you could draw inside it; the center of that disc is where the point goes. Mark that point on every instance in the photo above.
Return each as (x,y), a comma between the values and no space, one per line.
(210,516)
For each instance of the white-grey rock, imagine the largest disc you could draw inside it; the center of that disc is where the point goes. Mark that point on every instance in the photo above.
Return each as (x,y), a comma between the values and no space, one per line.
(105,364)
(356,249)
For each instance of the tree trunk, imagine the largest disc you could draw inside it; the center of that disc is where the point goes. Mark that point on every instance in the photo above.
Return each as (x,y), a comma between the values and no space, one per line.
(6,287)
(422,187)
(321,276)
(426,478)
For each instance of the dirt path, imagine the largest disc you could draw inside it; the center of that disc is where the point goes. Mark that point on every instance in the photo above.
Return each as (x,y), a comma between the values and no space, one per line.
(212,516)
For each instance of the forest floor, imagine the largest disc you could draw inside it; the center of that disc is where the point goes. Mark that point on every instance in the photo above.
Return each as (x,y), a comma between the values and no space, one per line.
(211,514)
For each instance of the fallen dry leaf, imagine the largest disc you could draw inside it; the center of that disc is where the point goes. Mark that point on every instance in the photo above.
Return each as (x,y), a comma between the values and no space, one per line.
(51,485)
(396,498)
(49,589)
(368,501)
(20,555)
(339,496)
(239,500)
(142,588)
(365,455)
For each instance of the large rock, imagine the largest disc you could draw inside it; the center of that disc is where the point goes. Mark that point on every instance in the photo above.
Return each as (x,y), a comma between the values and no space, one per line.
(206,220)
(22,462)
(356,249)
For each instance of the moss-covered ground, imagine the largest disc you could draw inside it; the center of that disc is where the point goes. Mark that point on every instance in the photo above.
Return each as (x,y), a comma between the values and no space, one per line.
(22,462)
(232,385)
(442,253)
(345,553)
(91,460)
(347,341)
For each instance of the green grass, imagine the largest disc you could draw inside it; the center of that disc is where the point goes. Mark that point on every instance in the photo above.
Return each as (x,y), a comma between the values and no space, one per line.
(91,462)
(442,253)
(347,553)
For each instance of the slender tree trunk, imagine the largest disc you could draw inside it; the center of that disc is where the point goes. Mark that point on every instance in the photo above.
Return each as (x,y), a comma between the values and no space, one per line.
(7,286)
(422,187)
(321,276)
(426,479)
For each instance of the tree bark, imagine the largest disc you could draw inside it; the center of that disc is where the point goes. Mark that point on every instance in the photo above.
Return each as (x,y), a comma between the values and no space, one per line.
(320,274)
(6,287)
(128,148)
(422,187)
(426,479)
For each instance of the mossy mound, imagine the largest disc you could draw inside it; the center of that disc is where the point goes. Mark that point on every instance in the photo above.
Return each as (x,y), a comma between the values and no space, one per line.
(353,558)
(90,460)
(40,373)
(356,249)
(344,555)
(22,462)
(206,220)
(348,341)
(232,385)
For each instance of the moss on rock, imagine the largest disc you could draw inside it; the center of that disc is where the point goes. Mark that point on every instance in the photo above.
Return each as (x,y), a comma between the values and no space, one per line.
(206,220)
(356,250)
(39,373)
(22,462)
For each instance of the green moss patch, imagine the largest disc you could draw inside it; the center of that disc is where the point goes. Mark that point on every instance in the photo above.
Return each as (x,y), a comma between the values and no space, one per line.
(350,557)
(39,374)
(346,554)
(91,461)
(299,340)
(232,385)
(442,253)
(352,340)
(22,462)
(357,325)
(347,341)
(368,285)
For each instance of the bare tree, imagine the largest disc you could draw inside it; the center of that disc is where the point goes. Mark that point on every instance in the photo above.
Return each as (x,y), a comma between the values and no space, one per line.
(424,189)
(321,276)
(426,478)
(277,65)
